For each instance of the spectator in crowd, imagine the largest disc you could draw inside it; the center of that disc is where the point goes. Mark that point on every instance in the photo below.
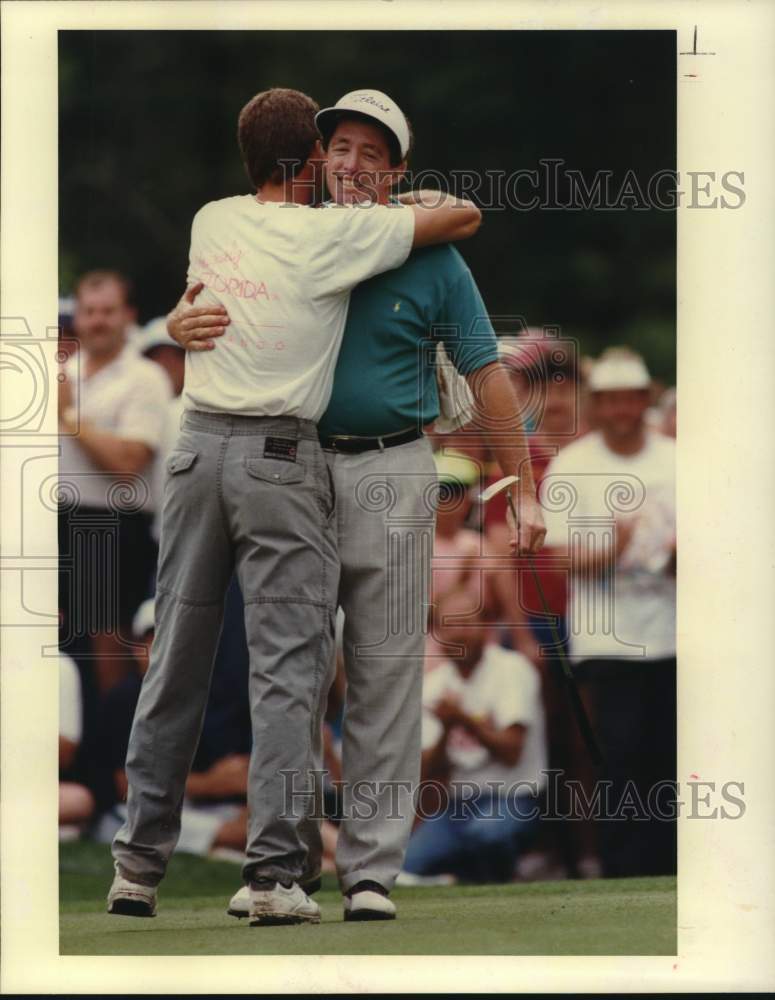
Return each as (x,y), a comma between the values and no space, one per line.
(76,803)
(67,344)
(462,555)
(483,738)
(214,817)
(154,343)
(214,813)
(112,407)
(622,590)
(667,412)
(456,548)
(547,379)
(660,416)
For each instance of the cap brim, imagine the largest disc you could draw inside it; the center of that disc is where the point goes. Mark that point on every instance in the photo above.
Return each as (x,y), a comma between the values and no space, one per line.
(327,119)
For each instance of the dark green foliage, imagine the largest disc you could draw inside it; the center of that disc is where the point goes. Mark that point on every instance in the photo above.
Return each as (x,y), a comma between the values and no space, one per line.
(148,134)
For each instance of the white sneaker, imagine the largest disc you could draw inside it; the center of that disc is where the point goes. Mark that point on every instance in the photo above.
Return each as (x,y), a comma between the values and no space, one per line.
(130,899)
(282,906)
(368,905)
(239,904)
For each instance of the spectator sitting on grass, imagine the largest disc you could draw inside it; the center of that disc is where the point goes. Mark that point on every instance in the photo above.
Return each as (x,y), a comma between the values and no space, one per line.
(214,814)
(483,736)
(76,803)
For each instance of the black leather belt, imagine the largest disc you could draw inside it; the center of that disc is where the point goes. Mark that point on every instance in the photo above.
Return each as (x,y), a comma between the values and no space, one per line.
(351,445)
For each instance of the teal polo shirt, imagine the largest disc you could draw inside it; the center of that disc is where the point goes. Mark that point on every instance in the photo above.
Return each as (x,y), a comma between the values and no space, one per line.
(385,378)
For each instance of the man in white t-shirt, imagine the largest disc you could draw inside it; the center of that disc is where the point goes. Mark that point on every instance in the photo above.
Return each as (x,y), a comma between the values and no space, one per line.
(484,739)
(609,503)
(112,404)
(249,490)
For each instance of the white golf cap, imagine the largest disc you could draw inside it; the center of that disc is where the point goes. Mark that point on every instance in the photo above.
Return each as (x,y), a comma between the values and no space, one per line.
(372,103)
(153,334)
(144,621)
(618,369)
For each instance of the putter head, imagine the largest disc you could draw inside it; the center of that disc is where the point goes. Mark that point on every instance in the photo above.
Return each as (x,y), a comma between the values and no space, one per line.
(495,488)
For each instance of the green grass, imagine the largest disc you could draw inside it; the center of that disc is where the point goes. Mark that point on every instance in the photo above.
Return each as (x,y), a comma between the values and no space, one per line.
(602,917)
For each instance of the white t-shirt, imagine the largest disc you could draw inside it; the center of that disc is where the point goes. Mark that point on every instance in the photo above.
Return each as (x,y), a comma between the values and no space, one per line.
(129,398)
(635,617)
(505,689)
(284,273)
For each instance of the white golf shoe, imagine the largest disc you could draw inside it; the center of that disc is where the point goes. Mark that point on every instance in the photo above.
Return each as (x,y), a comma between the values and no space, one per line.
(130,899)
(239,904)
(367,903)
(281,905)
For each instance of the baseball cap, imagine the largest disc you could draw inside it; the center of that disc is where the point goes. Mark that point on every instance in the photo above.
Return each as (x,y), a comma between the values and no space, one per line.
(373,104)
(153,334)
(618,368)
(453,468)
(144,621)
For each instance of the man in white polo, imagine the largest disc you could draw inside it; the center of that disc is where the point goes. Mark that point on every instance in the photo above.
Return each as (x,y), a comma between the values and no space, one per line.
(112,405)
(609,500)
(248,490)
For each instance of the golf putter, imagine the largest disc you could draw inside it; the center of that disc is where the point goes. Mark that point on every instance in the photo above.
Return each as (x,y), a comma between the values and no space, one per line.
(570,681)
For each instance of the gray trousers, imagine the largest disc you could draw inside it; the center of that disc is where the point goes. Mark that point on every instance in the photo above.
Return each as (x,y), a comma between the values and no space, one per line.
(252,494)
(385,522)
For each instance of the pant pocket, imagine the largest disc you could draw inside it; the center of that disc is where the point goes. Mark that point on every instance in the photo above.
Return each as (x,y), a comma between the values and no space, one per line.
(274,470)
(326,493)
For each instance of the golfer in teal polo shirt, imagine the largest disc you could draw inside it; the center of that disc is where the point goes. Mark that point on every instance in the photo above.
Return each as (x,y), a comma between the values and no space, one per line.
(384,393)
(385,380)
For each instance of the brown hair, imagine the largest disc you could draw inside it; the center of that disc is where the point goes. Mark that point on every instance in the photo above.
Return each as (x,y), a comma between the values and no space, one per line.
(276,134)
(92,279)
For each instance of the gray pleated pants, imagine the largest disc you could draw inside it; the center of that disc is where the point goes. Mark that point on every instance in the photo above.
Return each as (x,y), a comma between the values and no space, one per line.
(252,494)
(385,522)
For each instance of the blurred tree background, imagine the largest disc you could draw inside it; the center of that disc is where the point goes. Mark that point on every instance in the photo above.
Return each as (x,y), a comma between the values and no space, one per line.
(148,134)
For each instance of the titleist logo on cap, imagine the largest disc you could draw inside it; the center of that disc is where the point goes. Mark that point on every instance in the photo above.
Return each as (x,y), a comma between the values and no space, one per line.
(368,99)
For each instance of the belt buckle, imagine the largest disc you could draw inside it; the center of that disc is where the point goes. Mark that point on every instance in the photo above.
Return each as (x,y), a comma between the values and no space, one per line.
(333,443)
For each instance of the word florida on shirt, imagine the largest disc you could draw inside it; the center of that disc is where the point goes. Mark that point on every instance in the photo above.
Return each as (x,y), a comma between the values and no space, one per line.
(240,288)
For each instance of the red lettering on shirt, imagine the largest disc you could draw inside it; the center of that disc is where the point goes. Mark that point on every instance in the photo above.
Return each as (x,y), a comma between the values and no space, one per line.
(239,288)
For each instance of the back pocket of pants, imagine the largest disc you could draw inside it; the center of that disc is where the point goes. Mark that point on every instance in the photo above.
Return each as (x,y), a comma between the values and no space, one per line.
(272,470)
(180,461)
